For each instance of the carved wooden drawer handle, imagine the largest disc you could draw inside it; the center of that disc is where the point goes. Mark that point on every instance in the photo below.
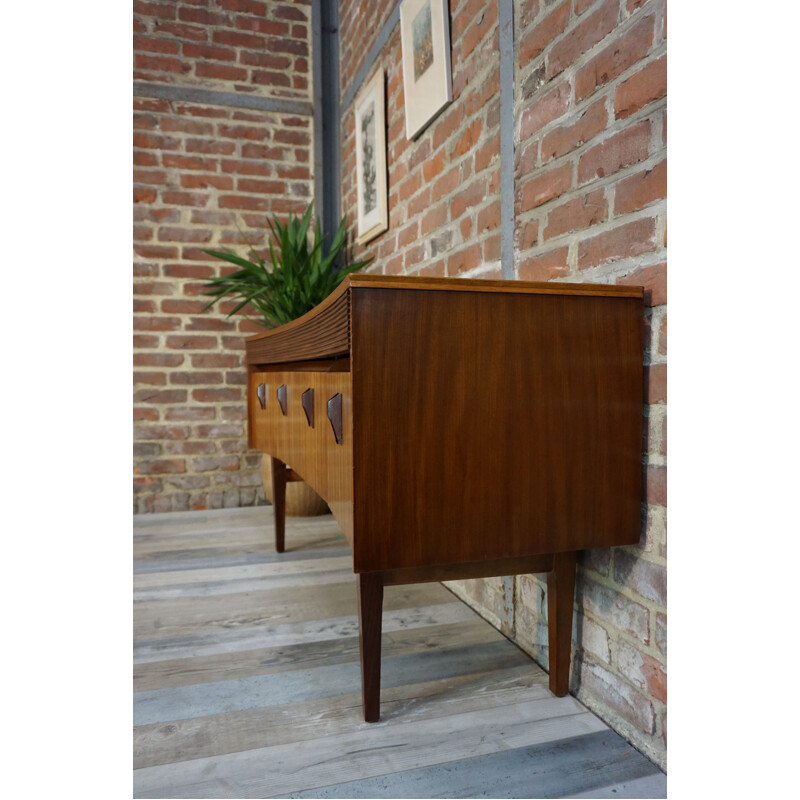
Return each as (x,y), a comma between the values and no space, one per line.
(282,397)
(335,416)
(308,405)
(261,391)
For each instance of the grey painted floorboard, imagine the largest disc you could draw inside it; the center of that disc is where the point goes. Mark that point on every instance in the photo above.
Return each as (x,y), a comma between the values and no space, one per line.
(547,770)
(237,702)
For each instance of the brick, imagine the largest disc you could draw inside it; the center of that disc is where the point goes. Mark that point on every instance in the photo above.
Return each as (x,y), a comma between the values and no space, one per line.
(189,448)
(267,26)
(161,467)
(656,485)
(622,149)
(542,111)
(222,72)
(527,234)
(655,383)
(624,241)
(614,693)
(142,195)
(544,187)
(195,378)
(160,64)
(661,633)
(211,52)
(641,576)
(152,287)
(467,198)
(581,212)
(169,234)
(219,431)
(238,39)
(488,217)
(447,182)
(210,146)
(156,359)
(189,414)
(615,608)
(567,138)
(159,323)
(270,78)
(616,58)
(174,198)
(180,30)
(535,40)
(654,281)
(544,266)
(258,186)
(434,219)
(198,163)
(643,671)
(191,342)
(592,30)
(216,395)
(213,464)
(160,396)
(468,139)
(150,378)
(641,189)
(161,432)
(492,248)
(646,86)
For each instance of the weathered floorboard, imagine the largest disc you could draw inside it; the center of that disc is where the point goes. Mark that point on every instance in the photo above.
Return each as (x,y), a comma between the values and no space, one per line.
(246,681)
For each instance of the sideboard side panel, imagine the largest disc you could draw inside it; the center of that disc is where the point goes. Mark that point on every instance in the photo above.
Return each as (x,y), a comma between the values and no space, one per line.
(492,426)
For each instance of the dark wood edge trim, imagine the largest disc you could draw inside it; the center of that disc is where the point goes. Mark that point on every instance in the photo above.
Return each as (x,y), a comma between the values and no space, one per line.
(359,280)
(479,569)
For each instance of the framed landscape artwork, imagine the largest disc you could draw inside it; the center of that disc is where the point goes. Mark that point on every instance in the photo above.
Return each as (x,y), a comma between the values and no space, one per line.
(427,80)
(371,160)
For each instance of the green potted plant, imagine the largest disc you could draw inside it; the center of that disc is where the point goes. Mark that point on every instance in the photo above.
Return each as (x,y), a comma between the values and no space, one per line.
(297,277)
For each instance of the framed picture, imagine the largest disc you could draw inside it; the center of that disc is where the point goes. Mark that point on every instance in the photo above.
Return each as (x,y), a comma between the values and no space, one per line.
(373,217)
(427,80)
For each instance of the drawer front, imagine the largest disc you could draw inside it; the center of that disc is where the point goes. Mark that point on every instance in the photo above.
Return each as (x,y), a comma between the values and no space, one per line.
(305,420)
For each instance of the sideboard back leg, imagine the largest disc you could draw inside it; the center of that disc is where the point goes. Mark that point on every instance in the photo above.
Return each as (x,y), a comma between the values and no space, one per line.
(370,612)
(560,599)
(279,502)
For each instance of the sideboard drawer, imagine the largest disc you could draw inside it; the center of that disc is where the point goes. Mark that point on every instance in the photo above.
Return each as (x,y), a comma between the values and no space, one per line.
(305,419)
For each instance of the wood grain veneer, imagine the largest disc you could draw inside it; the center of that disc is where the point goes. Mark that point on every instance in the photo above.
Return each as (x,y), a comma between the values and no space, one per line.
(471,428)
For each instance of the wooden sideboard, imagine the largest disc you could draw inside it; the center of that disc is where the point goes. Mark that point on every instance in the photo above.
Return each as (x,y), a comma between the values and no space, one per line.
(459,429)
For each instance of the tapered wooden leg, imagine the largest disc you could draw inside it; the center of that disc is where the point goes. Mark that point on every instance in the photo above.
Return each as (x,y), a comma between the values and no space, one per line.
(370,612)
(279,502)
(560,599)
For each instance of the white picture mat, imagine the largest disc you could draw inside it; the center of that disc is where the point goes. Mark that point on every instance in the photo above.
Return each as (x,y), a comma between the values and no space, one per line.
(376,221)
(434,89)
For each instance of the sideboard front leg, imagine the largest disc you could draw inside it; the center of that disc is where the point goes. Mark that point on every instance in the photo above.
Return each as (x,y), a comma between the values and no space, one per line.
(560,599)
(370,611)
(279,502)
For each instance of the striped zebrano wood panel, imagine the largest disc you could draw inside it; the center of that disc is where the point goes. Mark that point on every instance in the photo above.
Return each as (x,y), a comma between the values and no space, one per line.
(246,680)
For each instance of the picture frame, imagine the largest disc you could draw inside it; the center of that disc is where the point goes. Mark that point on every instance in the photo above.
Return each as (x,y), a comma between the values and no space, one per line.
(370,111)
(427,77)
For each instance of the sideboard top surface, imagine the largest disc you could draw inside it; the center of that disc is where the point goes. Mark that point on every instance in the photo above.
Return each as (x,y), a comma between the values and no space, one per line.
(324,332)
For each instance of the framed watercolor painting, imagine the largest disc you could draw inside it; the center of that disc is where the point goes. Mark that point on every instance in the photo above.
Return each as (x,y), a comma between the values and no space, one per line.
(373,217)
(427,79)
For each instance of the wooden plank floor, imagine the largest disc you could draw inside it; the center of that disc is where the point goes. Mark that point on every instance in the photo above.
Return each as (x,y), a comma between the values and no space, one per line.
(247,684)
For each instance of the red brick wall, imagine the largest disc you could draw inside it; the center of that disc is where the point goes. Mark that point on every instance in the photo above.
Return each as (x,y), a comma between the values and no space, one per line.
(443,202)
(590,130)
(199,170)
